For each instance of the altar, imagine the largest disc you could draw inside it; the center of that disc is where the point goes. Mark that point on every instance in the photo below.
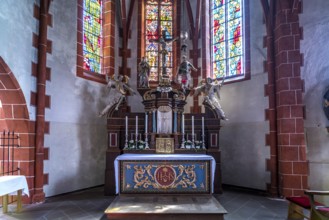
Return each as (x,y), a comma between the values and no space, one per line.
(168,149)
(13,185)
(164,173)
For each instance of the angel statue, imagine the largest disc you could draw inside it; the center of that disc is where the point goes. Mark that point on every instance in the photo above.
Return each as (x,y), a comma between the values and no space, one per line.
(184,73)
(120,83)
(211,94)
(144,72)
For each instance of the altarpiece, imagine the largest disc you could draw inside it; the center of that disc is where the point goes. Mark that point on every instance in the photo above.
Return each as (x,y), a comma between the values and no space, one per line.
(163,128)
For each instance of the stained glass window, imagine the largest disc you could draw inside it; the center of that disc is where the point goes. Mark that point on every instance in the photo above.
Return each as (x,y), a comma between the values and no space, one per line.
(159,18)
(227,38)
(92,35)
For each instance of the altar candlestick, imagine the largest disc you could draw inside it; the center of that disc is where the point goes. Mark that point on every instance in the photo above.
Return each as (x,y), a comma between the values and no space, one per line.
(202,126)
(183,130)
(136,129)
(192,125)
(126,136)
(146,122)
(126,125)
(193,132)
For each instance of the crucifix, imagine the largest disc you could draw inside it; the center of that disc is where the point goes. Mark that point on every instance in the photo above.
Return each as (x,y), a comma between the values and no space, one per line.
(163,41)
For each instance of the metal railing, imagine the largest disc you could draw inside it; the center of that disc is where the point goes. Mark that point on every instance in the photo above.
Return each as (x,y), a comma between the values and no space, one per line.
(8,142)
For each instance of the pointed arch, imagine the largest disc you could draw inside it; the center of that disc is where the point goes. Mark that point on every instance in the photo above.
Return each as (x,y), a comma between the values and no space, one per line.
(14,116)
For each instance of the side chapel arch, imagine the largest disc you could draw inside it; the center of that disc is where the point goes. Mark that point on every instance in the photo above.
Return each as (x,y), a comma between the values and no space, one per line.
(14,117)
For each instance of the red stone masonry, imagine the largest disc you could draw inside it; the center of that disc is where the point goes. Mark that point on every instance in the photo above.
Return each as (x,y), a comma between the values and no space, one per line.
(124,52)
(14,116)
(288,149)
(290,105)
(39,99)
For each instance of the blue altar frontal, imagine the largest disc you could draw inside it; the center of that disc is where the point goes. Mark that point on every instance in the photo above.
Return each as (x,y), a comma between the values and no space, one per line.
(164,173)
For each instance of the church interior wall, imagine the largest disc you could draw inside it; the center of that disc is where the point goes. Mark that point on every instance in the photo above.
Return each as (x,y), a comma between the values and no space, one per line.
(242,138)
(16,49)
(315,72)
(17,56)
(78,137)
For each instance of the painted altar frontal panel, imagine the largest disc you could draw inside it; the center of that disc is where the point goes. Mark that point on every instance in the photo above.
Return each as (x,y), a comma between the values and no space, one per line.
(165,176)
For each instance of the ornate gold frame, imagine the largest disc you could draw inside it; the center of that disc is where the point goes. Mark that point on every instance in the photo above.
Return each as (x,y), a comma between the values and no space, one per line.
(164,146)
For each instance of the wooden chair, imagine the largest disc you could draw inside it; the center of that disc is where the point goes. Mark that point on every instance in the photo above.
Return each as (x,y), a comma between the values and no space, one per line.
(318,212)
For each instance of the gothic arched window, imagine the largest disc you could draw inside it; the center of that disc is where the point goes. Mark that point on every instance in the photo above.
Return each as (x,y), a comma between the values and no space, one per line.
(227,45)
(92,36)
(95,39)
(158,18)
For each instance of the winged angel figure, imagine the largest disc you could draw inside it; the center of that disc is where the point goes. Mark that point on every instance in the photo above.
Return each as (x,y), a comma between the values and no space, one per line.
(211,94)
(120,83)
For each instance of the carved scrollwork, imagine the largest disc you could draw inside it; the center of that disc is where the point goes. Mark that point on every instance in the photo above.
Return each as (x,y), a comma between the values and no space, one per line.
(179,96)
(164,176)
(149,95)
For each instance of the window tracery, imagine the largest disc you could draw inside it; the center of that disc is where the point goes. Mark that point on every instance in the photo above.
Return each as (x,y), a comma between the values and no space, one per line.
(158,19)
(227,28)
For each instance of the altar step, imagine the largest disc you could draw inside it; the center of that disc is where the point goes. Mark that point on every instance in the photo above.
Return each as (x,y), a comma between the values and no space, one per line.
(164,207)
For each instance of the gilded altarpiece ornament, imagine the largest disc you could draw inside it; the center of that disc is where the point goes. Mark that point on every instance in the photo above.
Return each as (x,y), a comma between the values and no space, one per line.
(165,145)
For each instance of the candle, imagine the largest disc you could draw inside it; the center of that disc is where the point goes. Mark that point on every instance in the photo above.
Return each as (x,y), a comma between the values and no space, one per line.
(136,126)
(202,126)
(183,130)
(127,126)
(146,122)
(192,125)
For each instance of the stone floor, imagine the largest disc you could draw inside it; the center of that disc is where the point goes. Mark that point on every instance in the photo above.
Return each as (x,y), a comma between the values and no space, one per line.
(151,207)
(90,204)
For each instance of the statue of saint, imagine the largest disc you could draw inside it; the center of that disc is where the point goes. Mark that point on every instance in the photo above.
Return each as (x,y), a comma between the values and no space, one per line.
(120,83)
(211,94)
(144,73)
(184,73)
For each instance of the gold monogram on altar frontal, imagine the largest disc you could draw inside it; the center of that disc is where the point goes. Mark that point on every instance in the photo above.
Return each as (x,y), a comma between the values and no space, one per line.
(165,176)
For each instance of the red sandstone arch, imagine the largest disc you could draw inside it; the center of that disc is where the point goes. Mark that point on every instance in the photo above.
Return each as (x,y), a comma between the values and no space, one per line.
(14,117)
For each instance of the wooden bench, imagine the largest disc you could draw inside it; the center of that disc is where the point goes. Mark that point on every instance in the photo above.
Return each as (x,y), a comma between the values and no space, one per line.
(298,204)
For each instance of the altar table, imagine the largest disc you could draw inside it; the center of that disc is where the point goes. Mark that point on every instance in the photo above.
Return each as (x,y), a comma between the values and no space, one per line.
(13,185)
(164,173)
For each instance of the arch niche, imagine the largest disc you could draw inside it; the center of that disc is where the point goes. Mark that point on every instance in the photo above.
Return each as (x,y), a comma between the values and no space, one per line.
(14,116)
